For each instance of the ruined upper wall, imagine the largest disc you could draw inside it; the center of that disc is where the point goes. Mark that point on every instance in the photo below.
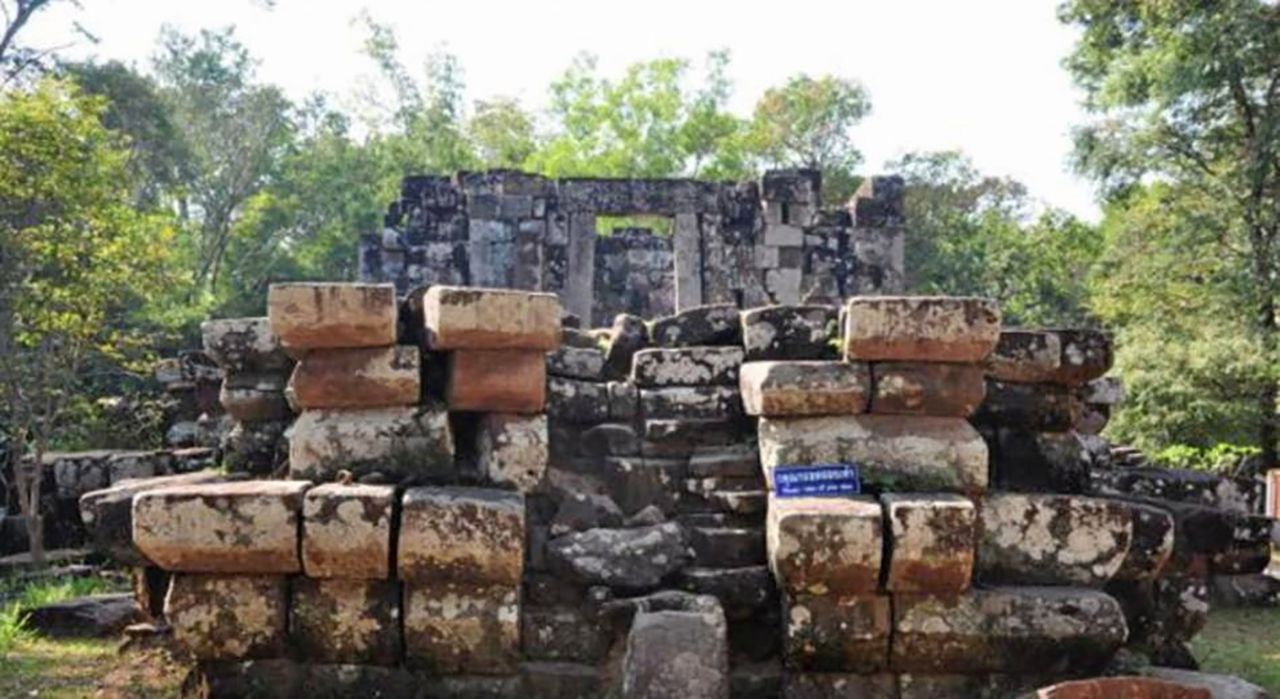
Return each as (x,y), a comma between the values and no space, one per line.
(750,243)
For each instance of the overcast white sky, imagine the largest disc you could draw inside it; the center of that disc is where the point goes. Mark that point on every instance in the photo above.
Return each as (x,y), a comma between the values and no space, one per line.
(983,76)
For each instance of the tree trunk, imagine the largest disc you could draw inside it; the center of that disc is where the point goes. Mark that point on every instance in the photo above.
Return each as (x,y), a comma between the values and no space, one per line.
(35,538)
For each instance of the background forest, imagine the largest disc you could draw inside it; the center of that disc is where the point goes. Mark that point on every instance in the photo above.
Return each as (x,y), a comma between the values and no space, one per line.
(137,200)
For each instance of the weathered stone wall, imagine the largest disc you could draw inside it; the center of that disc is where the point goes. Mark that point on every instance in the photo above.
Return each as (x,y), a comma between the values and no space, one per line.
(747,244)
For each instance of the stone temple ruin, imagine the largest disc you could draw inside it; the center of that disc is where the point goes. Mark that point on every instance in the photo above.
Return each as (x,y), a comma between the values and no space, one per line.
(476,497)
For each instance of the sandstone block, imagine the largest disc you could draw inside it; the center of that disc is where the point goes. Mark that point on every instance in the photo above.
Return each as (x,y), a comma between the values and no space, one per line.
(920,328)
(407,442)
(931,542)
(1026,356)
(1037,407)
(1086,355)
(108,513)
(454,628)
(328,315)
(717,324)
(346,621)
(244,527)
(690,403)
(931,389)
(820,546)
(365,377)
(892,453)
(837,633)
(227,617)
(503,381)
(686,366)
(347,531)
(241,345)
(1151,545)
(627,558)
(491,319)
(255,397)
(458,534)
(1031,539)
(578,402)
(1012,629)
(512,449)
(585,363)
(676,654)
(743,591)
(795,388)
(624,400)
(790,332)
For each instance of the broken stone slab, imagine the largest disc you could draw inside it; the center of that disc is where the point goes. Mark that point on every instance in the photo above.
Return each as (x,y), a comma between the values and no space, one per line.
(839,685)
(108,513)
(628,335)
(1039,407)
(1025,356)
(577,402)
(503,381)
(400,443)
(345,620)
(686,366)
(799,388)
(625,558)
(346,531)
(330,314)
(931,542)
(91,616)
(511,450)
(1086,355)
(1040,462)
(717,324)
(929,389)
(1034,539)
(585,363)
(243,345)
(255,397)
(1021,630)
(820,546)
(490,319)
(1151,545)
(690,403)
(837,633)
(675,654)
(228,617)
(893,453)
(461,534)
(457,628)
(790,332)
(365,377)
(920,328)
(240,527)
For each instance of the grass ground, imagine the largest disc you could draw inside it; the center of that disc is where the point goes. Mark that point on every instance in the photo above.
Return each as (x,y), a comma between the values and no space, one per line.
(1243,642)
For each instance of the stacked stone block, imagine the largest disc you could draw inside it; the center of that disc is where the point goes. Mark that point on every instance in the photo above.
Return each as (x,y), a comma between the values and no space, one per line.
(190,382)
(255,370)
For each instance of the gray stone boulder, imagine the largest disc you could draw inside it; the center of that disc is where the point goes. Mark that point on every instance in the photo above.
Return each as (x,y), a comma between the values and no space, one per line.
(625,558)
(717,324)
(94,616)
(790,332)
(675,655)
(628,335)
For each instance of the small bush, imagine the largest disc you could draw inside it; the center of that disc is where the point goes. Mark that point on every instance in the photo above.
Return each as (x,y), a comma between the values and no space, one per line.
(1220,458)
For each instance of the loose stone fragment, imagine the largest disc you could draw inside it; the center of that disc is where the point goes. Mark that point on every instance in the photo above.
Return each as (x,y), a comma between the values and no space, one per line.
(1039,407)
(503,381)
(893,454)
(688,366)
(920,328)
(356,378)
(821,546)
(455,628)
(1013,629)
(408,442)
(837,633)
(1026,356)
(627,558)
(225,617)
(346,621)
(469,318)
(328,315)
(675,654)
(512,449)
(931,542)
(241,345)
(347,531)
(458,534)
(790,332)
(931,389)
(577,402)
(108,513)
(1051,539)
(1086,355)
(690,403)
(795,388)
(702,325)
(244,527)
(576,363)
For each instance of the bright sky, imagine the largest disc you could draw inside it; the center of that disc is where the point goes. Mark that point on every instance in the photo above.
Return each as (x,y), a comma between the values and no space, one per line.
(983,76)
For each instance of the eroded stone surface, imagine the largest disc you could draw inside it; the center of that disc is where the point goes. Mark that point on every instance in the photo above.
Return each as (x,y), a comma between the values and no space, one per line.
(1030,539)
(346,531)
(1152,542)
(108,513)
(244,527)
(837,633)
(453,628)
(676,654)
(931,544)
(585,363)
(703,325)
(512,449)
(627,558)
(408,442)
(821,546)
(356,378)
(472,535)
(1086,355)
(1039,407)
(790,332)
(931,389)
(241,345)
(686,366)
(255,397)
(346,621)
(328,315)
(920,328)
(579,402)
(505,381)
(895,454)
(690,403)
(226,617)
(799,388)
(1025,356)
(470,318)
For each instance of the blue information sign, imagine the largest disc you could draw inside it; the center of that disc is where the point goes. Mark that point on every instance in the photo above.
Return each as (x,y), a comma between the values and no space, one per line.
(829,480)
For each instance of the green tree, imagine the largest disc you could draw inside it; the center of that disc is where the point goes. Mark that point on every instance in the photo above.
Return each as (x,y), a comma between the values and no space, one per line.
(78,260)
(1188,93)
(17,59)
(502,133)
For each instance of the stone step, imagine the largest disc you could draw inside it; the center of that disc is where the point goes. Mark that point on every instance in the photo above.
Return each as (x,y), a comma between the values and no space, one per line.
(686,366)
